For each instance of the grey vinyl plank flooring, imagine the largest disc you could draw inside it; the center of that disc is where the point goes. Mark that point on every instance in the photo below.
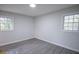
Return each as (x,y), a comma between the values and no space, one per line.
(35,46)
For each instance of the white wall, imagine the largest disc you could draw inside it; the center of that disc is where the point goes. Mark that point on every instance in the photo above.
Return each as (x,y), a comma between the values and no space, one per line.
(23,29)
(46,27)
(50,28)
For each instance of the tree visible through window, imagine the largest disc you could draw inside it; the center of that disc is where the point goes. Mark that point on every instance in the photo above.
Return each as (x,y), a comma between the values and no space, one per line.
(71,22)
(6,24)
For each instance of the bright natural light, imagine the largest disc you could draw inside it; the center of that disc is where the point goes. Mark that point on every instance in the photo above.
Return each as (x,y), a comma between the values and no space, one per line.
(71,22)
(6,24)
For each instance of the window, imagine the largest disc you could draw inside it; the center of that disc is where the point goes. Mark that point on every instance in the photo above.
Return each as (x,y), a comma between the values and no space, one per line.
(71,22)
(6,24)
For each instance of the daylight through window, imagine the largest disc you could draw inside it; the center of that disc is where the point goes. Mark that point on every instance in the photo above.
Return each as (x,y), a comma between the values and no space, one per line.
(71,22)
(6,24)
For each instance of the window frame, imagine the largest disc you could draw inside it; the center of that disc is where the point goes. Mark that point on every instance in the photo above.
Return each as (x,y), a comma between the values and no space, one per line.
(12,21)
(69,22)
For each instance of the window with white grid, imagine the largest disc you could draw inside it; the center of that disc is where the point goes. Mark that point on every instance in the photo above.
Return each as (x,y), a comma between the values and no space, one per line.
(6,24)
(71,22)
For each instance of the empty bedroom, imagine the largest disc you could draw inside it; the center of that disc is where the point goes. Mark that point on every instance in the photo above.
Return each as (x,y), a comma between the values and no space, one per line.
(39,28)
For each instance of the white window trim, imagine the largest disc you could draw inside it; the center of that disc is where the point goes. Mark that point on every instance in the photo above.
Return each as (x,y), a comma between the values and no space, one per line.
(70,30)
(12,20)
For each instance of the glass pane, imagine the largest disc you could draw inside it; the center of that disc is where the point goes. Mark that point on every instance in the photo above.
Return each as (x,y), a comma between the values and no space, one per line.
(71,20)
(2,19)
(76,16)
(65,24)
(66,20)
(6,24)
(65,28)
(11,26)
(70,24)
(69,28)
(75,28)
(75,24)
(76,20)
(66,17)
(71,17)
(2,26)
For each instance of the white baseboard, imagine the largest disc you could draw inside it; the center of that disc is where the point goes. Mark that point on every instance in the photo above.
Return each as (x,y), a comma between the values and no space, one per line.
(64,46)
(15,41)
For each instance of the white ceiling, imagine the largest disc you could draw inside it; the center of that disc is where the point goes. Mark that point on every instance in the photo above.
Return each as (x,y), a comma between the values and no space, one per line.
(39,10)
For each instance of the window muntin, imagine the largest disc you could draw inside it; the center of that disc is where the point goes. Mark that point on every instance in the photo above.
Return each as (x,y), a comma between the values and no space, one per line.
(71,22)
(6,24)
